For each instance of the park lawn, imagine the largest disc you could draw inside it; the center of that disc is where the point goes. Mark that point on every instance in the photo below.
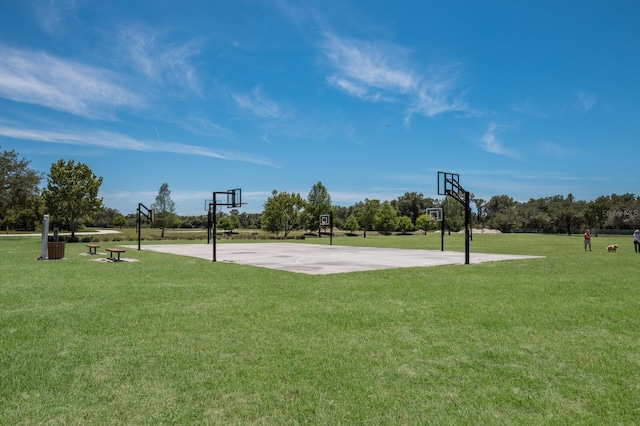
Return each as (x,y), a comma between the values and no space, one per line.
(175,340)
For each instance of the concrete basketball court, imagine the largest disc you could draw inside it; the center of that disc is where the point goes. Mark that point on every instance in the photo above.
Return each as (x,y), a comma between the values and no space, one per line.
(324,259)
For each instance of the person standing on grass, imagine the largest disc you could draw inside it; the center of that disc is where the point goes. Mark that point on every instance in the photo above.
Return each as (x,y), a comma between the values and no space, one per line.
(587,240)
(636,240)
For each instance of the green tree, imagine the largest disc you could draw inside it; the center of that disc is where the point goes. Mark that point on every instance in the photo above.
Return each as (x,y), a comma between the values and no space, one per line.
(405,225)
(385,219)
(351,224)
(234,217)
(164,208)
(226,224)
(597,212)
(535,214)
(422,223)
(105,217)
(411,204)
(318,203)
(501,211)
(366,213)
(453,214)
(282,212)
(623,212)
(480,209)
(120,221)
(249,220)
(71,193)
(566,214)
(19,193)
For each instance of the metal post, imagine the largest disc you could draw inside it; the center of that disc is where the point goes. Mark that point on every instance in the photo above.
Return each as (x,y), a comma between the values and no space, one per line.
(467,222)
(214,227)
(138,225)
(442,232)
(45,237)
(330,228)
(209,224)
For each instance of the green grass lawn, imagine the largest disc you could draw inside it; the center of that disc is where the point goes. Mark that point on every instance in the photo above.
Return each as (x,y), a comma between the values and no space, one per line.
(175,340)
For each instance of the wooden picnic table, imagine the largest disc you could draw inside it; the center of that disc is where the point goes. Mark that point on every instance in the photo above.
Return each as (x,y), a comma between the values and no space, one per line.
(115,250)
(93,248)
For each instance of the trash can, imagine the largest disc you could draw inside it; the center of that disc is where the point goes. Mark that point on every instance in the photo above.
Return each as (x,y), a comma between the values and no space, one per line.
(55,250)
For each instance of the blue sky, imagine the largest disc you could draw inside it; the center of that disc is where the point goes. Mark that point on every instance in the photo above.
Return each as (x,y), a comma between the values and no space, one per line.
(527,99)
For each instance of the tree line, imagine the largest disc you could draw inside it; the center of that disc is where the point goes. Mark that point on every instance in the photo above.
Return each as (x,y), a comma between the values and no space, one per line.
(71,198)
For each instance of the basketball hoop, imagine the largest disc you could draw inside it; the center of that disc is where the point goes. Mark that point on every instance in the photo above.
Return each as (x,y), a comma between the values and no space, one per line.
(434,214)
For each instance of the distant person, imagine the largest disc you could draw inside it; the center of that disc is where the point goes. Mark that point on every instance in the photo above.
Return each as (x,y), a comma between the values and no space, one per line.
(587,240)
(636,240)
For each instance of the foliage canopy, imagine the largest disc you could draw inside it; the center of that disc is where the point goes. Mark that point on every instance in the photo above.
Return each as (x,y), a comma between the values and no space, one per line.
(71,193)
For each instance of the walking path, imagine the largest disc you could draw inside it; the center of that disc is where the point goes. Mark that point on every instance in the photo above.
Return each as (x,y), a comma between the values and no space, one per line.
(97,232)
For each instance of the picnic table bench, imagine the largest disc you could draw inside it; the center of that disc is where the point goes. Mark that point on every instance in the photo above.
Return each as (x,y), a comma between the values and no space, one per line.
(93,248)
(115,250)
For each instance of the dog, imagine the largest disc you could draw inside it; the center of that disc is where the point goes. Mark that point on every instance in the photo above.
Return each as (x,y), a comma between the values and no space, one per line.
(611,248)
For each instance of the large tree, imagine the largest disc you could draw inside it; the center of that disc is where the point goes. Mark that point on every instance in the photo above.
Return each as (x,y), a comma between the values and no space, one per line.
(411,204)
(105,218)
(566,213)
(71,193)
(365,213)
(19,194)
(318,203)
(164,208)
(385,219)
(501,213)
(282,212)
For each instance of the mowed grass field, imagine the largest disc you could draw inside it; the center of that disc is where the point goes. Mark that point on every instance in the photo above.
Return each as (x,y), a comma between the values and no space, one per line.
(175,340)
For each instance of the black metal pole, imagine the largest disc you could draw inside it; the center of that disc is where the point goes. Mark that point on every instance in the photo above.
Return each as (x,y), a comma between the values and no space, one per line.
(209,224)
(138,223)
(442,232)
(214,227)
(467,223)
(331,228)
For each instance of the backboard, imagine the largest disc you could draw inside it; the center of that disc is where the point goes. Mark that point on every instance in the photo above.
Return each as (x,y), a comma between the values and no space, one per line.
(234,198)
(434,214)
(448,183)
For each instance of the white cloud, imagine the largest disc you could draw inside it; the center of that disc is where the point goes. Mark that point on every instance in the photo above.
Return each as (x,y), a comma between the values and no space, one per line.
(556,150)
(380,72)
(160,60)
(365,64)
(110,140)
(257,103)
(492,144)
(584,102)
(51,14)
(38,78)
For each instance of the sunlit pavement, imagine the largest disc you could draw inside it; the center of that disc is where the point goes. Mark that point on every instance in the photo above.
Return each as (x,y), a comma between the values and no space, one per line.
(324,259)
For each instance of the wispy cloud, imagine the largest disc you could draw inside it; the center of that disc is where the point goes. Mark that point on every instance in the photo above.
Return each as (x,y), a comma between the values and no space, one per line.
(584,102)
(257,104)
(111,140)
(368,66)
(526,108)
(161,60)
(38,78)
(205,127)
(555,150)
(382,72)
(491,143)
(51,14)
